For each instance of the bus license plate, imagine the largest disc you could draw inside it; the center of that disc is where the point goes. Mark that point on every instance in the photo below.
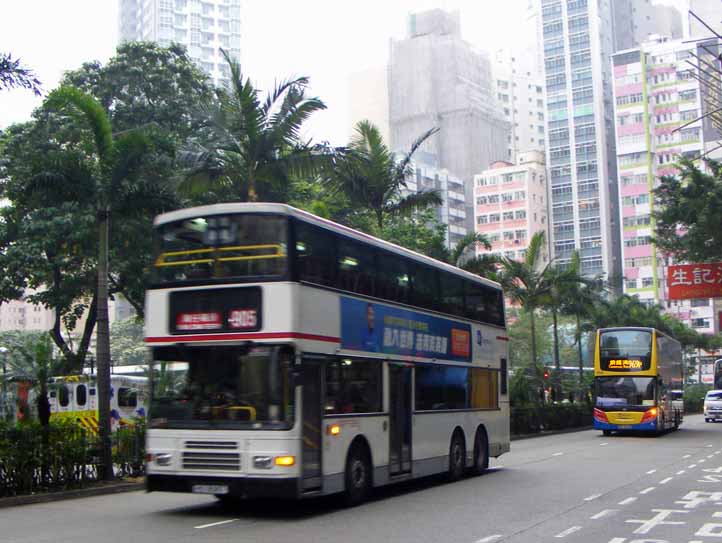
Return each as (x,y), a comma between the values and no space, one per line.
(210,489)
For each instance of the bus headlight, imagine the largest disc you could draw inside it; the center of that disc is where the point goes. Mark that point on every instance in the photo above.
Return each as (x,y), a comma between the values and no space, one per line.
(163,459)
(262,462)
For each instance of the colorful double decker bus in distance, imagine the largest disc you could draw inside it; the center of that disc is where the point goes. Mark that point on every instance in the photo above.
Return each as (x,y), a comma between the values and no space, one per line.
(294,357)
(636,373)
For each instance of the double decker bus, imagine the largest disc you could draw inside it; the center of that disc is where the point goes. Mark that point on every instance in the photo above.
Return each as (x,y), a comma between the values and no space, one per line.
(295,357)
(636,371)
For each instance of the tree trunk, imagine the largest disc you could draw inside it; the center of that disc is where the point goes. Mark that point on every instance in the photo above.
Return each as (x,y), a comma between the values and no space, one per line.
(533,337)
(579,352)
(102,351)
(557,364)
(252,194)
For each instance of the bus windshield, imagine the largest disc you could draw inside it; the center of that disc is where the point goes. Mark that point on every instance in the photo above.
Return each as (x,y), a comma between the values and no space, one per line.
(625,391)
(625,350)
(221,246)
(222,387)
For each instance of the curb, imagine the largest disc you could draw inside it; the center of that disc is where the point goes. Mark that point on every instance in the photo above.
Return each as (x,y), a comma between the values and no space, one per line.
(551,433)
(113,488)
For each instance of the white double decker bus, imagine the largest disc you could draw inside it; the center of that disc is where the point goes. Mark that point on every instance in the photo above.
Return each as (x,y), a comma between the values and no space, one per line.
(294,357)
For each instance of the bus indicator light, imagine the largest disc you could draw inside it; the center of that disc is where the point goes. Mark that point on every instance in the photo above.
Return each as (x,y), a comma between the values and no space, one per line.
(650,415)
(334,430)
(286,461)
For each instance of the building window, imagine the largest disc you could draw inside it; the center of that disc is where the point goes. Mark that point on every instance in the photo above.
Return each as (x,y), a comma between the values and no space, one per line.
(647,282)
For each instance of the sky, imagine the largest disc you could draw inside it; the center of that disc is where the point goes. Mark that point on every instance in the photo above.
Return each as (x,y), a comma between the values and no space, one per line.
(325,40)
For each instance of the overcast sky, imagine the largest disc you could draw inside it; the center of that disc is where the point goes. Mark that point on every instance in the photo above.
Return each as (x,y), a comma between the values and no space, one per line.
(323,39)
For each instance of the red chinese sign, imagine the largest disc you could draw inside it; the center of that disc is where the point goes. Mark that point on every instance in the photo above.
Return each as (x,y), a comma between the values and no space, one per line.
(688,281)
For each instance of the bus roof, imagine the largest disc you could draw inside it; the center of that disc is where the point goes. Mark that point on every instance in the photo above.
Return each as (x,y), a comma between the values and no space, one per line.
(284,209)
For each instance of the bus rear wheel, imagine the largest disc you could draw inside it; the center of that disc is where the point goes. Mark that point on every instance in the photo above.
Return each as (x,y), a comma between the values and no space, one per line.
(358,476)
(457,454)
(481,452)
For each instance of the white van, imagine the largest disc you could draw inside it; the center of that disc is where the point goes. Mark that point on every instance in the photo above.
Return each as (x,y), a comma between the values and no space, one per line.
(713,406)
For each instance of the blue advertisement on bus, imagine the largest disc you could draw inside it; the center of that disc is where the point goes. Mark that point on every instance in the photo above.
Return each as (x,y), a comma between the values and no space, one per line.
(366,326)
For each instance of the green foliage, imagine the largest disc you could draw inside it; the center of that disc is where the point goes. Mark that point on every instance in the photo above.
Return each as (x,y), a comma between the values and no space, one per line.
(694,397)
(15,75)
(30,357)
(532,420)
(372,179)
(519,333)
(420,232)
(61,456)
(250,149)
(126,342)
(689,217)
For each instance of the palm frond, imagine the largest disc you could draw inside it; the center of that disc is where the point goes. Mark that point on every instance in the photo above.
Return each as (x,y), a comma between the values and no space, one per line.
(469,240)
(414,202)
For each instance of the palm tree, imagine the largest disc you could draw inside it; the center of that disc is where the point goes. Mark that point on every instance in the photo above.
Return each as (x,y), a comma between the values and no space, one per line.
(251,149)
(529,282)
(115,186)
(372,179)
(29,356)
(462,257)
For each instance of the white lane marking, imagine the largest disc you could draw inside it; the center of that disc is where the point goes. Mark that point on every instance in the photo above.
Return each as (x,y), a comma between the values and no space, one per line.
(718,514)
(656,520)
(558,454)
(686,456)
(592,497)
(603,444)
(651,471)
(628,501)
(710,456)
(702,460)
(489,538)
(648,490)
(680,472)
(665,481)
(568,531)
(692,466)
(618,540)
(708,445)
(602,514)
(216,523)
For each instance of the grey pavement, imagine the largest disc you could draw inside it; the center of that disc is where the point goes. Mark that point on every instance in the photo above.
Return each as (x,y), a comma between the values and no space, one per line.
(577,487)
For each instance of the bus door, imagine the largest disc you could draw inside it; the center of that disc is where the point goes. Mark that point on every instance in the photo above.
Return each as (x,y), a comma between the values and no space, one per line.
(312,424)
(399,419)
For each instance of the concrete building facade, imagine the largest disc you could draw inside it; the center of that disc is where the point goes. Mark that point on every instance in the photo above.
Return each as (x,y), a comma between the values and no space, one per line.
(436,79)
(519,89)
(510,204)
(577,44)
(655,94)
(203,26)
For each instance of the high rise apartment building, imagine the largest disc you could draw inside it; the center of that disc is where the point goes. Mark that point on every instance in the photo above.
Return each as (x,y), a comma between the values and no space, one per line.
(203,26)
(519,89)
(452,211)
(710,11)
(510,204)
(577,42)
(579,37)
(655,95)
(436,79)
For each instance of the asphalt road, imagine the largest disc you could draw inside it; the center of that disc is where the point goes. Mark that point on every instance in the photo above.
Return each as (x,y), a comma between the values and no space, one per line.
(577,487)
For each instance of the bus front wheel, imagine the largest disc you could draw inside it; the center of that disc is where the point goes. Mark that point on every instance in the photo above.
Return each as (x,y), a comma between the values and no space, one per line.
(358,475)
(457,454)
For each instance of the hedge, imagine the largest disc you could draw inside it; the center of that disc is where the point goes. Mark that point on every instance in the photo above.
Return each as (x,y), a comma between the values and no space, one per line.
(535,419)
(62,456)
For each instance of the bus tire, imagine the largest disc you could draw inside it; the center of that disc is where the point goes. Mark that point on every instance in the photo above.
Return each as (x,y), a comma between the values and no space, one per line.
(358,475)
(481,452)
(606,432)
(457,456)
